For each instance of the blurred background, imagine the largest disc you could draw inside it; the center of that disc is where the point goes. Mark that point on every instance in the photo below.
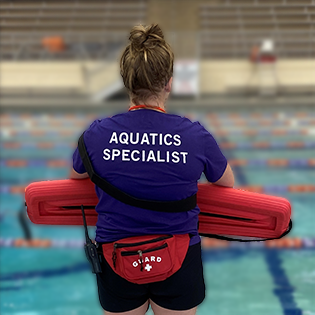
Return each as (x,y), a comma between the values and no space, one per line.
(244,68)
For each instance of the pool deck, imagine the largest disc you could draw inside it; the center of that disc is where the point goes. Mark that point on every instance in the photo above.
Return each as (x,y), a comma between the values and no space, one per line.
(212,102)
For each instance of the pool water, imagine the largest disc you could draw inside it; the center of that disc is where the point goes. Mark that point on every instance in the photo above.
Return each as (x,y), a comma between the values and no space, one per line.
(239,281)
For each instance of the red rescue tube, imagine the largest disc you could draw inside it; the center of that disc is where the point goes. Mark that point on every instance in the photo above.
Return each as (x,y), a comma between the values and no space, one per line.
(223,211)
(247,213)
(58,202)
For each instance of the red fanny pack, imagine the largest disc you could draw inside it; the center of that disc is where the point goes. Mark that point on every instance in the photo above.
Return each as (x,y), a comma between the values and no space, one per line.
(146,259)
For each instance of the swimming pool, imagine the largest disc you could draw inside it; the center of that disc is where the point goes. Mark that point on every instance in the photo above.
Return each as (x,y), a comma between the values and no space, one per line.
(239,279)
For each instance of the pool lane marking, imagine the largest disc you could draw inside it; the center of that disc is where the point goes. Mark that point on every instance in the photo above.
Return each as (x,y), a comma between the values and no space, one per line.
(284,290)
(11,288)
(45,273)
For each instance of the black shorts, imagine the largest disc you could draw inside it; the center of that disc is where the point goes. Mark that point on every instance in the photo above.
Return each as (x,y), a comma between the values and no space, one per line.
(184,290)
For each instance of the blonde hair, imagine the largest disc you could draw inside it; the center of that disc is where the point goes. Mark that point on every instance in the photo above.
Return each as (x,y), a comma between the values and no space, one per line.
(146,64)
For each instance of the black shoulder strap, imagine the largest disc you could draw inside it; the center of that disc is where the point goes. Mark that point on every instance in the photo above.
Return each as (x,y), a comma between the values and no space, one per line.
(162,206)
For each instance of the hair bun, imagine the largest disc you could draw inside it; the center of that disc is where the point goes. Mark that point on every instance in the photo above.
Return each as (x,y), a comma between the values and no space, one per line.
(145,37)
(146,63)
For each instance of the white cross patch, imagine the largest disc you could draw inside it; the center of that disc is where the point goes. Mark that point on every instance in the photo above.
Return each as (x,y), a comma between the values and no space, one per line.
(148,267)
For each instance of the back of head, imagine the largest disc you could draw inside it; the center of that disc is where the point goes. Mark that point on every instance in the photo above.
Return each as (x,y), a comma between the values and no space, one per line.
(147,63)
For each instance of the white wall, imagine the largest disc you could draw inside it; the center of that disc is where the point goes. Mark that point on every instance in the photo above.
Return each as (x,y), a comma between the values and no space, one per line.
(222,76)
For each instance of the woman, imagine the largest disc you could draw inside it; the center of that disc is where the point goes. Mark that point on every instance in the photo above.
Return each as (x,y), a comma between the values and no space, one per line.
(151,155)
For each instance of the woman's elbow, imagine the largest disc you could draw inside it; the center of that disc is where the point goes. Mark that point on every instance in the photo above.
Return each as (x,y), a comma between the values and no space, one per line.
(74,175)
(227,179)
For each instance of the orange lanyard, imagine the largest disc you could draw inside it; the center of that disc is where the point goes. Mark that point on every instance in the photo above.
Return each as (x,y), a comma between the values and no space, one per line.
(147,106)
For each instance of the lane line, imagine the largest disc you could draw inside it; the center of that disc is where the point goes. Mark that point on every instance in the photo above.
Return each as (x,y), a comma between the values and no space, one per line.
(284,290)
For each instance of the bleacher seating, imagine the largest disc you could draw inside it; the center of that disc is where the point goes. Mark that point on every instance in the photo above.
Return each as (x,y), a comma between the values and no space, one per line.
(90,29)
(97,29)
(230,28)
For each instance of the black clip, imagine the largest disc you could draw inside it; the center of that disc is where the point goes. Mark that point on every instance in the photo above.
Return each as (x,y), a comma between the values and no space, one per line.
(90,249)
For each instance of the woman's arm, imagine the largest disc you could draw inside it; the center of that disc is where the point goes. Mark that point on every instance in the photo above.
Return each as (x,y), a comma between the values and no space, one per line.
(227,179)
(74,175)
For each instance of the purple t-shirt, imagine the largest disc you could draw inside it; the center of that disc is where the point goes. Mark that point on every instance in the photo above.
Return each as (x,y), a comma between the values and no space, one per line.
(154,156)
